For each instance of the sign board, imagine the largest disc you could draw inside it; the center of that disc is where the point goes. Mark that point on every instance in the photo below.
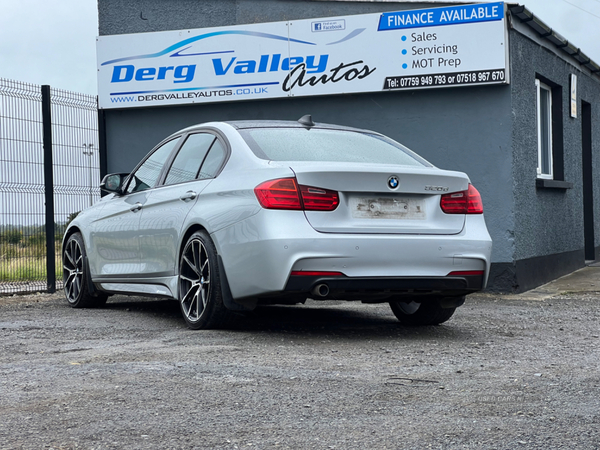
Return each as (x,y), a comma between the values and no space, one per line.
(414,49)
(574,96)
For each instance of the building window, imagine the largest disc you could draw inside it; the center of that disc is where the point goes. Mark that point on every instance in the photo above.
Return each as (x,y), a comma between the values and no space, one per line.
(544,129)
(551,158)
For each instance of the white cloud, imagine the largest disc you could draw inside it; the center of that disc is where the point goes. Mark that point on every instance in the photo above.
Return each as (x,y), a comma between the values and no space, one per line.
(50,42)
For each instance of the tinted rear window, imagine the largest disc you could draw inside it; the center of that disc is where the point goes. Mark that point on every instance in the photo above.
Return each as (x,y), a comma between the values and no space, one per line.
(299,144)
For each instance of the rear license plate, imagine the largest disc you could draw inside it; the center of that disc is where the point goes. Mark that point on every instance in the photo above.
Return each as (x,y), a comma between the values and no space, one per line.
(387,208)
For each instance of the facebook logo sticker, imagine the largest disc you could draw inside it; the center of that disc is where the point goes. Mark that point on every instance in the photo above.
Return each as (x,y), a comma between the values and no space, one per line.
(329,25)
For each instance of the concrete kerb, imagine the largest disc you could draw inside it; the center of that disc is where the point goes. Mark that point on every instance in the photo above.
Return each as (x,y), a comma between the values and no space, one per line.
(586,280)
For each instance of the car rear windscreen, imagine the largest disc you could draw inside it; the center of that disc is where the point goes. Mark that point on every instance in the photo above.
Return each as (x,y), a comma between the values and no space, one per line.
(300,144)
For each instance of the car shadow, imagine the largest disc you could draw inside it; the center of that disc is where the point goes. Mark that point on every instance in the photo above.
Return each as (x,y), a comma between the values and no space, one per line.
(366,322)
(317,319)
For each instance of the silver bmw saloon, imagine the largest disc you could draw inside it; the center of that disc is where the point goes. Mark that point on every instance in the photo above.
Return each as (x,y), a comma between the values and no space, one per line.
(225,216)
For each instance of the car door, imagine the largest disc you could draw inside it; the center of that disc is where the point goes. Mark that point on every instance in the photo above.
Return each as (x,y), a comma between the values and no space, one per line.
(115,234)
(164,214)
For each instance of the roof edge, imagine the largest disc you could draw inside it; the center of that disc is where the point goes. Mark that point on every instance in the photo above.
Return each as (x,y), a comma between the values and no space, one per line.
(545,32)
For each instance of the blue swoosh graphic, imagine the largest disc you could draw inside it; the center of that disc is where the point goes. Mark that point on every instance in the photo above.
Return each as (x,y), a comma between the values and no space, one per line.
(350,36)
(205,36)
(174,55)
(195,88)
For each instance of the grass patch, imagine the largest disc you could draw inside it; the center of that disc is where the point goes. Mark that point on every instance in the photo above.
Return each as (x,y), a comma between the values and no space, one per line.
(20,262)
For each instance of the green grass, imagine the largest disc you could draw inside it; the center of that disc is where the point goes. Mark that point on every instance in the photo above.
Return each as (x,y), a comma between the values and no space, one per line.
(20,262)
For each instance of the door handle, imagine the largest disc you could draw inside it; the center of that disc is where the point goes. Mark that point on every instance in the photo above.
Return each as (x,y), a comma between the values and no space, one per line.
(189,195)
(136,207)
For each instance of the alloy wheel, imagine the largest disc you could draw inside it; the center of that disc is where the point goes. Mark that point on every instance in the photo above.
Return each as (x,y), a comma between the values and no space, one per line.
(73,270)
(194,280)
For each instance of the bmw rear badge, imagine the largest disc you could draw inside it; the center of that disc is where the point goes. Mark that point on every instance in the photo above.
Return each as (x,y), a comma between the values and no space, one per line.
(393,182)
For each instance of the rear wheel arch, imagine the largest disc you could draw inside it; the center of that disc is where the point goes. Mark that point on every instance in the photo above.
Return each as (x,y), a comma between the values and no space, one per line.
(228,300)
(199,286)
(184,239)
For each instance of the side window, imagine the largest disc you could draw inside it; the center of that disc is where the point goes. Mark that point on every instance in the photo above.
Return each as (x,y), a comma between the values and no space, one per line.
(213,161)
(147,174)
(187,163)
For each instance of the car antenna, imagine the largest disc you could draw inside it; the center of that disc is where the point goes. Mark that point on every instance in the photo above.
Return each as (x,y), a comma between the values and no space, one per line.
(306,121)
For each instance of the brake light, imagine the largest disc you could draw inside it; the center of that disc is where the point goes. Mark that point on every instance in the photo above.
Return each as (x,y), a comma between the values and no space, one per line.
(278,194)
(464,202)
(286,193)
(316,199)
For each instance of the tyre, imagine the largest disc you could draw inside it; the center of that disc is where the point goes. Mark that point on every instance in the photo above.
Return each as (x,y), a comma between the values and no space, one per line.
(200,296)
(76,276)
(430,312)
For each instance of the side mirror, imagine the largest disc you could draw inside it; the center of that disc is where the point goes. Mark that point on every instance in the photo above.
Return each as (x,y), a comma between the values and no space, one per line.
(113,182)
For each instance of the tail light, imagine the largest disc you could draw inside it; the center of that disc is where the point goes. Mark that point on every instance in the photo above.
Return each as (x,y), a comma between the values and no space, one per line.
(278,194)
(464,202)
(316,199)
(286,193)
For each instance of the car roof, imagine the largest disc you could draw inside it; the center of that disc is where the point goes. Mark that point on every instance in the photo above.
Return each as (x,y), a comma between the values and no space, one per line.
(245,124)
(249,124)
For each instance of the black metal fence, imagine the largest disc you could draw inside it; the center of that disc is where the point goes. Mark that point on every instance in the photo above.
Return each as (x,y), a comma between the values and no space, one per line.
(49,171)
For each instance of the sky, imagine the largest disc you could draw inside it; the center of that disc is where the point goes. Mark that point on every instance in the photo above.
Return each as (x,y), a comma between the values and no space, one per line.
(54,41)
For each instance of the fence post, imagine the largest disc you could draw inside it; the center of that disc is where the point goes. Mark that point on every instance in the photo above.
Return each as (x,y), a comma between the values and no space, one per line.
(49,189)
(102,144)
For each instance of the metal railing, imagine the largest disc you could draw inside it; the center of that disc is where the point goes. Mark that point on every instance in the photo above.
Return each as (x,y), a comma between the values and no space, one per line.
(49,171)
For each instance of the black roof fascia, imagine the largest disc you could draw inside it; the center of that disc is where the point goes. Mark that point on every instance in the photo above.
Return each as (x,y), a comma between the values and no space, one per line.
(547,33)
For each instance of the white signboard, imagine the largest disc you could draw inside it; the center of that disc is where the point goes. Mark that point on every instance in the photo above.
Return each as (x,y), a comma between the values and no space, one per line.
(437,47)
(574,96)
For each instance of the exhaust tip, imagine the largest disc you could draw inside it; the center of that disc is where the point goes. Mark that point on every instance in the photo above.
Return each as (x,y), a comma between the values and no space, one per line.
(320,290)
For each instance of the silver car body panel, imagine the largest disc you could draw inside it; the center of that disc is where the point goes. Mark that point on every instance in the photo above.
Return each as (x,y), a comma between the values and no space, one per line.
(163,287)
(259,253)
(365,205)
(161,225)
(112,243)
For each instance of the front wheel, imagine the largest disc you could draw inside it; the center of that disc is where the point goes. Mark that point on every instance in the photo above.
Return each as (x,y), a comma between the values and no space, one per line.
(76,277)
(430,312)
(200,296)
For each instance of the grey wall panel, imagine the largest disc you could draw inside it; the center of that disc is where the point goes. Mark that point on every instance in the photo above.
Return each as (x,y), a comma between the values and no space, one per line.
(251,11)
(140,16)
(548,221)
(465,129)
(589,91)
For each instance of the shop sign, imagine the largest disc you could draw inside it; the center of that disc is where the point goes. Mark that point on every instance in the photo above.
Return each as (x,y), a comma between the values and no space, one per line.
(414,49)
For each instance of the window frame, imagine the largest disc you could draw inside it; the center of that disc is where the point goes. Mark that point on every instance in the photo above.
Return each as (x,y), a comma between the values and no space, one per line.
(543,87)
(220,137)
(159,179)
(169,163)
(208,154)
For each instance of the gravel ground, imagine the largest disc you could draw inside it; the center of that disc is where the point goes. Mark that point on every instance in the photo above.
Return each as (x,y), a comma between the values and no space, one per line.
(501,374)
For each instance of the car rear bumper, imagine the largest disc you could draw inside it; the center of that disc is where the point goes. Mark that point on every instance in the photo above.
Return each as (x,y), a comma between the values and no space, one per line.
(260,253)
(341,287)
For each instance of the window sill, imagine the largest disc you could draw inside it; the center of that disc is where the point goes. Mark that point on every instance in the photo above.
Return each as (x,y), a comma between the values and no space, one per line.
(552,184)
